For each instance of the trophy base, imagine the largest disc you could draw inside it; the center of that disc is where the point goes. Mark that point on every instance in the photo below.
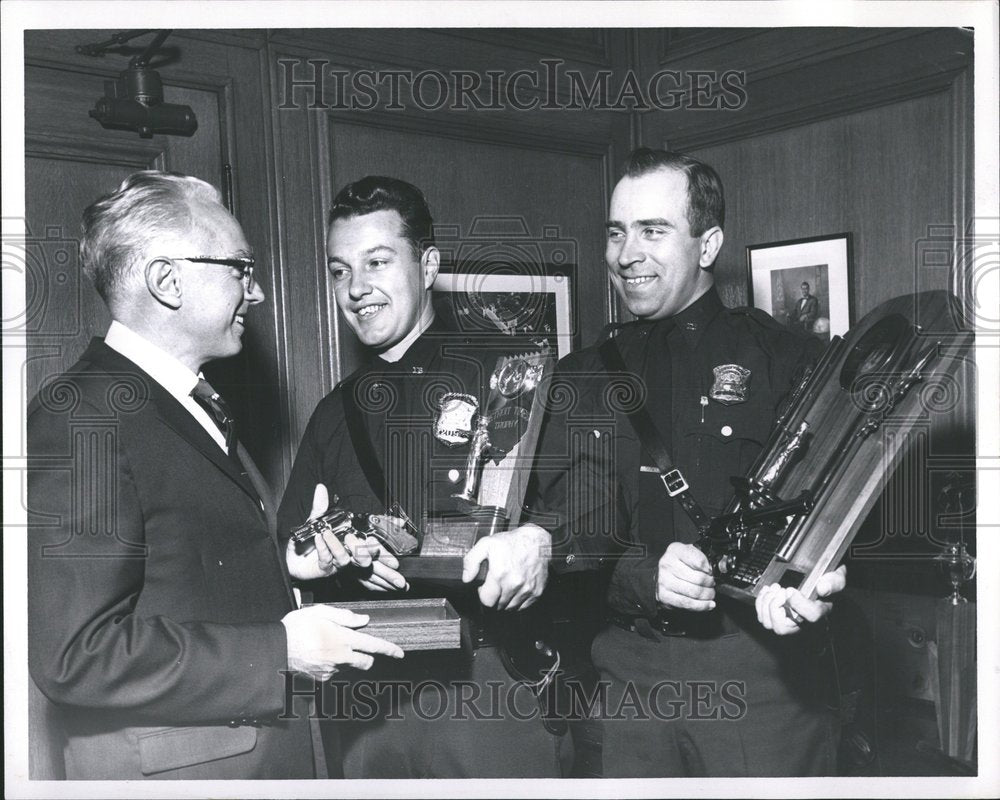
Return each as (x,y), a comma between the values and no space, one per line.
(431,568)
(446,541)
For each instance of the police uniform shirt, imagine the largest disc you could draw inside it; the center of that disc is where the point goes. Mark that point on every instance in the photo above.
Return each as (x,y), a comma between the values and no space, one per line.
(399,404)
(590,489)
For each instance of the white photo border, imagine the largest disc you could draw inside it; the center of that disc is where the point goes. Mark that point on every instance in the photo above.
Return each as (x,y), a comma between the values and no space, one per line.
(834,250)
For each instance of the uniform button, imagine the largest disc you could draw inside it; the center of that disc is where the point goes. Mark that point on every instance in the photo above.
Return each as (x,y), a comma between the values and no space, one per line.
(726,430)
(597,434)
(570,558)
(454,475)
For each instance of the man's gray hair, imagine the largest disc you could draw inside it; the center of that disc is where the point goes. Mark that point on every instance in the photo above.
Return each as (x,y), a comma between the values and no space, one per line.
(118,227)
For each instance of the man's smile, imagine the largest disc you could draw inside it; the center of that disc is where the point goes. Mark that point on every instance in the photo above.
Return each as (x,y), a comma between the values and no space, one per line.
(637,281)
(370,310)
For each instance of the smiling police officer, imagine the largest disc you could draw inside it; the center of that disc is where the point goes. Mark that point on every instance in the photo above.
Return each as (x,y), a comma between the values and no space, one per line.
(385,418)
(712,379)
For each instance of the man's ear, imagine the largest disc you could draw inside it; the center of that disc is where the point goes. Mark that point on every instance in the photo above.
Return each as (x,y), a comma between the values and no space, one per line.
(163,282)
(711,244)
(431,263)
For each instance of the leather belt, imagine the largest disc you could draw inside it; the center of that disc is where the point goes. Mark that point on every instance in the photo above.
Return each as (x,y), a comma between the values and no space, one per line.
(693,625)
(646,627)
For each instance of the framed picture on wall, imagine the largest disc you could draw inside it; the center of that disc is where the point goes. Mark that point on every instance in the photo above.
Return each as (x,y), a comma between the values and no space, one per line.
(804,283)
(492,298)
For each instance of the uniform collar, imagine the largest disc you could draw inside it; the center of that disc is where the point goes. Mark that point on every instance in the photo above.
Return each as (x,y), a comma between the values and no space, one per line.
(693,320)
(418,355)
(689,323)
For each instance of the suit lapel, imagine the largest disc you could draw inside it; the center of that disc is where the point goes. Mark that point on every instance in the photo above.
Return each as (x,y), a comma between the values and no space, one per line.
(178,418)
(175,416)
(166,407)
(260,486)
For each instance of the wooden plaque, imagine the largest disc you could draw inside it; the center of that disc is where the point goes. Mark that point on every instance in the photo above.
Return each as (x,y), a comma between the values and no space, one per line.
(842,467)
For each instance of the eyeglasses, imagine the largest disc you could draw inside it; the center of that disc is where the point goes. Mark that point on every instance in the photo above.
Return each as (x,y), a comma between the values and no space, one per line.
(244,265)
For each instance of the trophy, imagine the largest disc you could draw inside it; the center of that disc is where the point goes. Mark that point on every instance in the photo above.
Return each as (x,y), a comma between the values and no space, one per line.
(955,639)
(501,437)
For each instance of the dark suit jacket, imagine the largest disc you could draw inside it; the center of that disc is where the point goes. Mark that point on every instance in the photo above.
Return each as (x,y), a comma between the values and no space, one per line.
(156,588)
(805,313)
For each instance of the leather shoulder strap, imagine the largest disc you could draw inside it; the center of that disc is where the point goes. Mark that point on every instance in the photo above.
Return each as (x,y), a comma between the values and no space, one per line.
(361,440)
(652,442)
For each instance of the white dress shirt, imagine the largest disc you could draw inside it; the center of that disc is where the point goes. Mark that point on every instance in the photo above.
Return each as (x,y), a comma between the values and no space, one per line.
(166,370)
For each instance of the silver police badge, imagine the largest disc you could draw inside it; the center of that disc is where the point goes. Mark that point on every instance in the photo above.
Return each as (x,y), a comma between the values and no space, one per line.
(731,384)
(454,423)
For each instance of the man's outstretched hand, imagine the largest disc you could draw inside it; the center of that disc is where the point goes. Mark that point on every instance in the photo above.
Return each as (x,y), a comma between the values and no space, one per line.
(327,554)
(321,639)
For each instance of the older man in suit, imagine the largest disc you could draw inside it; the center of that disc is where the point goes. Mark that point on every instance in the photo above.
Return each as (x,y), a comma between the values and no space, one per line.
(162,622)
(805,310)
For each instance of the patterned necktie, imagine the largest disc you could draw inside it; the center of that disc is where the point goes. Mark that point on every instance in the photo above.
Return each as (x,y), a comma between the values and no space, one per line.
(219,411)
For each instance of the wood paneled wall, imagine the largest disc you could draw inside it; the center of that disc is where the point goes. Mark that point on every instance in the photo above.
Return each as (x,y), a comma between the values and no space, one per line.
(842,129)
(546,173)
(866,130)
(883,174)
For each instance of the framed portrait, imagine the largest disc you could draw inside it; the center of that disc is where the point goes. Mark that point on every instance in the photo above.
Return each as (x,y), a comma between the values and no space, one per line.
(483,298)
(804,283)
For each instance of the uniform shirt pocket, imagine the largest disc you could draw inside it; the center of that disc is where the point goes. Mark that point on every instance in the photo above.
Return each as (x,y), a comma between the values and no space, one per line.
(726,444)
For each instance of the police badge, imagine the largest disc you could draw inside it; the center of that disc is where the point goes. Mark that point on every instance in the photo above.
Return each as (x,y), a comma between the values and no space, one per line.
(731,384)
(453,425)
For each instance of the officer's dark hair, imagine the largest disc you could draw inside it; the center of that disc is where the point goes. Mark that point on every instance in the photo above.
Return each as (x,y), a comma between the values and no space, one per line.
(378,193)
(706,200)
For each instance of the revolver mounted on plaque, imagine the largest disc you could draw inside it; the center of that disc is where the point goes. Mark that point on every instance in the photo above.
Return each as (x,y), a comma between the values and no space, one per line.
(847,424)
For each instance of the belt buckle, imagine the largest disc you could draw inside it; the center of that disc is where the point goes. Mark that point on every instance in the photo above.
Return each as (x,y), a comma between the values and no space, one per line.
(674,482)
(669,628)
